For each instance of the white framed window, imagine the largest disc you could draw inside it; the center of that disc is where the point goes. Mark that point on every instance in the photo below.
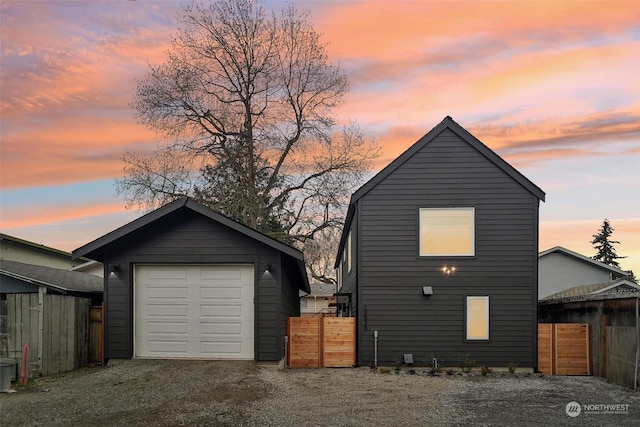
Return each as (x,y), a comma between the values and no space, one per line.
(447,231)
(477,317)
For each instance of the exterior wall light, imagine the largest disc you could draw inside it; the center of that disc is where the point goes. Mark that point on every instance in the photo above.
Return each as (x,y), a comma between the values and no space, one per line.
(113,269)
(427,290)
(448,270)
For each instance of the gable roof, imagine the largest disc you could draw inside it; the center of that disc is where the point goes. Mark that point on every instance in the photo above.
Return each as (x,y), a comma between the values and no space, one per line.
(94,249)
(582,258)
(620,286)
(54,278)
(446,123)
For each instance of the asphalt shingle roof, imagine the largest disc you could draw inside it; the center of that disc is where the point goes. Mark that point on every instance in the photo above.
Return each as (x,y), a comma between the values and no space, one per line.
(64,280)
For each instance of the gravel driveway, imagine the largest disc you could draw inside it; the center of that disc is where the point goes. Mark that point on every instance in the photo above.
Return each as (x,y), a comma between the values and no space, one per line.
(216,393)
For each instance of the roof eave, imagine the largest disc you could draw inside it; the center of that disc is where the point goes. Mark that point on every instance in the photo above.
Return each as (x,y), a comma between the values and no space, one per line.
(583,258)
(93,249)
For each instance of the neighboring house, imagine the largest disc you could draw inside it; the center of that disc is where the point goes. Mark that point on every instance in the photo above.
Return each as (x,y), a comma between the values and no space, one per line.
(438,256)
(18,277)
(320,302)
(615,286)
(15,249)
(560,269)
(185,281)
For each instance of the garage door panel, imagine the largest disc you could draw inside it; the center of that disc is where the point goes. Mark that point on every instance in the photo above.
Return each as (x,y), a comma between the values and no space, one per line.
(161,273)
(218,328)
(165,328)
(221,311)
(223,273)
(168,291)
(220,293)
(221,349)
(160,347)
(166,310)
(199,311)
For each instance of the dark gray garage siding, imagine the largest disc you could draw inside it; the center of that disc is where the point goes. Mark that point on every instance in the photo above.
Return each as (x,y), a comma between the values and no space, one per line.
(185,236)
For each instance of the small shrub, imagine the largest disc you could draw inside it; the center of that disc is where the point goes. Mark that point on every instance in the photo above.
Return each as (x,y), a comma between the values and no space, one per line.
(435,366)
(485,370)
(451,371)
(384,370)
(511,367)
(465,362)
(397,364)
(412,371)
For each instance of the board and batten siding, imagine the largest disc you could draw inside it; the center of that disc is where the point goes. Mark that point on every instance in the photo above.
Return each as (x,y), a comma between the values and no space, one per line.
(447,172)
(188,237)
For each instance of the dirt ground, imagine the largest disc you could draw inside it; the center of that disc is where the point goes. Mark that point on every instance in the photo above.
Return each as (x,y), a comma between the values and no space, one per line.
(216,393)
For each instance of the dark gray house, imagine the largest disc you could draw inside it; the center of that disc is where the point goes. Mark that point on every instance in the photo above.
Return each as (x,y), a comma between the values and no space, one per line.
(185,281)
(439,255)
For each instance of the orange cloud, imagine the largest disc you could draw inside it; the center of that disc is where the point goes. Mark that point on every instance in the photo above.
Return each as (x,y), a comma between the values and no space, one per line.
(14,218)
(69,150)
(378,29)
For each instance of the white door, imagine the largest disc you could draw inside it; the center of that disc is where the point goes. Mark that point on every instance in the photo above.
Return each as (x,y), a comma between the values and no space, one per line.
(194,311)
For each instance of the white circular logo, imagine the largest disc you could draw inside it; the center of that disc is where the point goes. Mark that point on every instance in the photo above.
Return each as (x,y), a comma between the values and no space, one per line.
(573,409)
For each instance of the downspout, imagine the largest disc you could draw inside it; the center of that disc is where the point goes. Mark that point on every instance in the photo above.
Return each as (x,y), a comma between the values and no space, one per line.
(635,378)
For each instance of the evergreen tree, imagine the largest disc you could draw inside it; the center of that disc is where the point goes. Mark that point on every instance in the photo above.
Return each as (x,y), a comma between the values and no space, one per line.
(606,253)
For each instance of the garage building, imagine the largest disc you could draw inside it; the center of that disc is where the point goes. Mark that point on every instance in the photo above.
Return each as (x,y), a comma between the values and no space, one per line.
(185,281)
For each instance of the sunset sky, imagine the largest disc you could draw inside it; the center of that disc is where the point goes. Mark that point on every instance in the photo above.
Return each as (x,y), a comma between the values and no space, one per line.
(552,86)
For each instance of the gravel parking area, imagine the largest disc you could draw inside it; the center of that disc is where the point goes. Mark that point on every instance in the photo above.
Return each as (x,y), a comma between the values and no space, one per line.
(154,393)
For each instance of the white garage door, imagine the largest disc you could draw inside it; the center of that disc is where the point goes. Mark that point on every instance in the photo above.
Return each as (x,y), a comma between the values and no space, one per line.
(194,311)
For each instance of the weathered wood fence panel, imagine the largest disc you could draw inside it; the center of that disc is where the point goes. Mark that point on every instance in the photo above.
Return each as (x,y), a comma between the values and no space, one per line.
(621,352)
(564,349)
(55,329)
(22,317)
(316,342)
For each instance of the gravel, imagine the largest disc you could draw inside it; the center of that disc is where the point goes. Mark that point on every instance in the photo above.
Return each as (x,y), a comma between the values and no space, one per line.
(223,393)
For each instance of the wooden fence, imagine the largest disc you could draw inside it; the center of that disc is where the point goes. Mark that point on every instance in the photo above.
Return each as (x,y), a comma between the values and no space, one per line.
(55,329)
(321,342)
(563,349)
(621,350)
(96,334)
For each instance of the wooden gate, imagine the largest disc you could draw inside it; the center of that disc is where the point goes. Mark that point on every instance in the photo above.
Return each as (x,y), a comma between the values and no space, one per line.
(96,334)
(564,349)
(321,342)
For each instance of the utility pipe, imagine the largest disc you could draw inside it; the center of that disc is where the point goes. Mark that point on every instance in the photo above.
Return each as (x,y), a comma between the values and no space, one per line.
(375,349)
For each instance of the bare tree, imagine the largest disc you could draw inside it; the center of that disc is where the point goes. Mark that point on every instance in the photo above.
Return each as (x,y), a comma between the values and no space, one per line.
(246,98)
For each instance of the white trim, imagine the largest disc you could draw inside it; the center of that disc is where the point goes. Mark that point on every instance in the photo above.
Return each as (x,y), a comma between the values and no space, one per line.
(485,337)
(472,210)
